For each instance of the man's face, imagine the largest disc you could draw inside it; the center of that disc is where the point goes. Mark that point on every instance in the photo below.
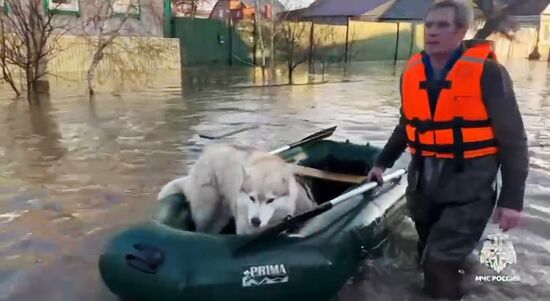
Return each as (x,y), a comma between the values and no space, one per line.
(440,32)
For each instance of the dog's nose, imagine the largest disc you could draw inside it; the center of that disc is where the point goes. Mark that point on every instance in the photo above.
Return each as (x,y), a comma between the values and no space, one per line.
(255,221)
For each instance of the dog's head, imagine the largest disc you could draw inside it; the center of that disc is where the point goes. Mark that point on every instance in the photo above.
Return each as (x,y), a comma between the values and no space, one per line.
(269,192)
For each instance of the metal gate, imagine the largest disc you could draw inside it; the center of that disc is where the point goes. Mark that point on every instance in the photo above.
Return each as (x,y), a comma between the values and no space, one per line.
(206,41)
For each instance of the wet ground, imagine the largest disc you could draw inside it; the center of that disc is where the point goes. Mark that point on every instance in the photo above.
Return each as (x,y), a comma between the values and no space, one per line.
(73,172)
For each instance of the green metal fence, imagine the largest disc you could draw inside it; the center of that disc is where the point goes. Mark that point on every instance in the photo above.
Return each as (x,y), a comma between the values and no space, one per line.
(205,41)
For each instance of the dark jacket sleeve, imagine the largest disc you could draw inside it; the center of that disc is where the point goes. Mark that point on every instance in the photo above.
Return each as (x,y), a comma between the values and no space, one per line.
(502,107)
(396,143)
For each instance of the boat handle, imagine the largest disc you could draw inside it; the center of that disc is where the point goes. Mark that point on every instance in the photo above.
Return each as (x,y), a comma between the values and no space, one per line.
(147,259)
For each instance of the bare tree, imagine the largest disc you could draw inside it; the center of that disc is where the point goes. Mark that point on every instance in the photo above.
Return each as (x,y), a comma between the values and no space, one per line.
(7,75)
(290,38)
(101,31)
(324,43)
(258,32)
(29,38)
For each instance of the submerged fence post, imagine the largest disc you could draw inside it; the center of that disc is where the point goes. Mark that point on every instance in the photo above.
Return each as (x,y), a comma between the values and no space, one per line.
(255,47)
(396,45)
(230,42)
(346,54)
(413,38)
(311,42)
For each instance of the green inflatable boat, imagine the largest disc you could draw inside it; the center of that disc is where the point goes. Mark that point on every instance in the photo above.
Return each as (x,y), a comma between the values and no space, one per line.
(307,257)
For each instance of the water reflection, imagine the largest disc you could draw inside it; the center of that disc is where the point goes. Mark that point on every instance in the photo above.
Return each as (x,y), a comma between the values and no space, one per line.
(74,170)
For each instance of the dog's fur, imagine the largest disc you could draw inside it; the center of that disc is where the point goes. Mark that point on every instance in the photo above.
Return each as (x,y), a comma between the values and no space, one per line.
(254,187)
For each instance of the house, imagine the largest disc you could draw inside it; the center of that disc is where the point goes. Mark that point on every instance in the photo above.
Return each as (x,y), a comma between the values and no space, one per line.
(245,9)
(338,11)
(145,17)
(192,8)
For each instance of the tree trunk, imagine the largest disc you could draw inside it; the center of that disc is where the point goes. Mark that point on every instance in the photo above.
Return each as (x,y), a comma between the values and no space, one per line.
(346,49)
(535,54)
(42,85)
(290,70)
(290,62)
(290,77)
(259,31)
(255,46)
(311,45)
(272,43)
(90,74)
(29,76)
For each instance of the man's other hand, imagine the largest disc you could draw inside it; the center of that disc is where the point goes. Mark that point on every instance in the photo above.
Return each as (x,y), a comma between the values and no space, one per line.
(506,218)
(376,174)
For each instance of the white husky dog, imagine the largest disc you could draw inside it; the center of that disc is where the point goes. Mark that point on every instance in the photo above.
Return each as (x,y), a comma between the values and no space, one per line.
(254,187)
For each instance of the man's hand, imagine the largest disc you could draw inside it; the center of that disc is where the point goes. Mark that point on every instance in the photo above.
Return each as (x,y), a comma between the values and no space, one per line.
(506,218)
(377,174)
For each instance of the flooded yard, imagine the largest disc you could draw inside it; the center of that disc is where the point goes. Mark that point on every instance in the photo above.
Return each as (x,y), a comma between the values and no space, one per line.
(74,171)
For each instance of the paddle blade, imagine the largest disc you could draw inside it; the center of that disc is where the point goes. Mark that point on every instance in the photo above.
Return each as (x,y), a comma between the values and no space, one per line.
(316,136)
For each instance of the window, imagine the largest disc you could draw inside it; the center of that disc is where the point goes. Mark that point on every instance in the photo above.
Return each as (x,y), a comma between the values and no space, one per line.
(64,6)
(123,7)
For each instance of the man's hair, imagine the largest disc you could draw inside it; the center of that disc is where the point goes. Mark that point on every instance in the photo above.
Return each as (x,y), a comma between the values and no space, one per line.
(463,12)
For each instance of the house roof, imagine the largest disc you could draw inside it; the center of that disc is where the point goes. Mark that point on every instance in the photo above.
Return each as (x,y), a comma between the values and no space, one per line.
(415,10)
(325,8)
(395,9)
(368,9)
(407,10)
(278,6)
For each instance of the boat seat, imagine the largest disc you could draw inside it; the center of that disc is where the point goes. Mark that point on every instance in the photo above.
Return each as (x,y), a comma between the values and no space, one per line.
(327,175)
(332,176)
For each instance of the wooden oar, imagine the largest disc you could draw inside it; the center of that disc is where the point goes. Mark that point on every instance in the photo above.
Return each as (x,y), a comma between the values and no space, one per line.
(327,175)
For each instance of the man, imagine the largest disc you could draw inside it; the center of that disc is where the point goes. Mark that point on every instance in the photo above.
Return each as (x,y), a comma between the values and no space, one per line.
(461,122)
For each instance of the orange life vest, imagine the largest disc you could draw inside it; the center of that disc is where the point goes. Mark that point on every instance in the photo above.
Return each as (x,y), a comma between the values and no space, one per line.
(460,127)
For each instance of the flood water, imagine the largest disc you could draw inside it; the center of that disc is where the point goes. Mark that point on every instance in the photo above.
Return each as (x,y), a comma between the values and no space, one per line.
(73,172)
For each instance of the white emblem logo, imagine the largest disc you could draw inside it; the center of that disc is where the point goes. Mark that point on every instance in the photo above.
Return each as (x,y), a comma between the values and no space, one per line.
(497,252)
(265,274)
